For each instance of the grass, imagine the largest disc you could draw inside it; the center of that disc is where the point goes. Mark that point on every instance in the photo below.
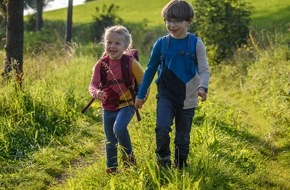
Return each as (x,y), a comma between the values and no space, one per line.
(83,14)
(239,140)
(266,13)
(271,13)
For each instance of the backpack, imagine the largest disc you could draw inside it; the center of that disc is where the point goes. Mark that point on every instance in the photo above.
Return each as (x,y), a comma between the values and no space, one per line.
(126,60)
(192,40)
(125,64)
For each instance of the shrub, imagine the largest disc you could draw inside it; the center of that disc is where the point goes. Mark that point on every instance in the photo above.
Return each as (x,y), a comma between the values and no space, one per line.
(222,25)
(107,18)
(30,24)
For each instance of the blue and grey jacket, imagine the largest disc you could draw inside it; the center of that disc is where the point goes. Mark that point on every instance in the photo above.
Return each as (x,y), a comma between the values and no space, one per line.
(182,69)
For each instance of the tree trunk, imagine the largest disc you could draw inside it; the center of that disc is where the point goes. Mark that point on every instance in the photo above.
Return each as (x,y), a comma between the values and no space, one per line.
(69,22)
(39,11)
(14,39)
(4,16)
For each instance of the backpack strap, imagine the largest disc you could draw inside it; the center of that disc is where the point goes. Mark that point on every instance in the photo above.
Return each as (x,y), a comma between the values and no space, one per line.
(126,61)
(104,69)
(164,47)
(192,40)
(133,53)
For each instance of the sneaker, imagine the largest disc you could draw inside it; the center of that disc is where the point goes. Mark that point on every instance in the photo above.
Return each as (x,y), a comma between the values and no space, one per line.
(180,165)
(164,163)
(129,160)
(112,170)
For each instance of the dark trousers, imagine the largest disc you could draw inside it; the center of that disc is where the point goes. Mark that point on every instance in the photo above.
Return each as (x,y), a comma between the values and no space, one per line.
(166,114)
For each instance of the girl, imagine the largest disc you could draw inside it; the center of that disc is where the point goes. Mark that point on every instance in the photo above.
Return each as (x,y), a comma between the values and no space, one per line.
(117,101)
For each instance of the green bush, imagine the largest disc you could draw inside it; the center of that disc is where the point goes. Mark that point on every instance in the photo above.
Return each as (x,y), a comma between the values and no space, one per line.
(43,41)
(222,25)
(107,18)
(30,24)
(144,38)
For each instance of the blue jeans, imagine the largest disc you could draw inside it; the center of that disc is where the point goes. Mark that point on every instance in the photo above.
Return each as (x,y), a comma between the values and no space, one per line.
(166,114)
(116,132)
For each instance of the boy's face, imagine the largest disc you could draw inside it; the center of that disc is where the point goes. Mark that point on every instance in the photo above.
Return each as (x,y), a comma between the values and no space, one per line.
(177,28)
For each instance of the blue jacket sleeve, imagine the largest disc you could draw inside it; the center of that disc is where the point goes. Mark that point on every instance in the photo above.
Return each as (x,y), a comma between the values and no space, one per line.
(152,66)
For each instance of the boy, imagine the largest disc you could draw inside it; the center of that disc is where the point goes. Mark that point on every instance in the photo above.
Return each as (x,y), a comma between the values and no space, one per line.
(182,77)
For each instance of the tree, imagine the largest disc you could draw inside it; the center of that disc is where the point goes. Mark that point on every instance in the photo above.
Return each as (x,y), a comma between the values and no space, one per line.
(69,22)
(14,39)
(2,20)
(39,11)
(37,20)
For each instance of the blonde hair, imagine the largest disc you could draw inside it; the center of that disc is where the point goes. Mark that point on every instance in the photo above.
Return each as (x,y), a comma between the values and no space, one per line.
(178,9)
(121,30)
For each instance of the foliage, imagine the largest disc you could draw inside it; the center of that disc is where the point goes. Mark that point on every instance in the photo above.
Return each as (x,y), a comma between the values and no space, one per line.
(107,18)
(222,25)
(38,42)
(144,37)
(30,23)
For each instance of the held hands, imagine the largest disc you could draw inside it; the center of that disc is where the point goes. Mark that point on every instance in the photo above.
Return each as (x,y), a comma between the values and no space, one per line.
(101,95)
(139,103)
(201,92)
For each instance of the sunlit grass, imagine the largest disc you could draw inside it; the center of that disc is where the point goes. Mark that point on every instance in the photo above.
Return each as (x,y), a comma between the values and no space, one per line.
(266,13)
(239,140)
(270,13)
(83,14)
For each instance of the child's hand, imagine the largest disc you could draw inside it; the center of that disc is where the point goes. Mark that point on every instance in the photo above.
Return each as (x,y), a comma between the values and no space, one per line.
(139,103)
(201,92)
(101,95)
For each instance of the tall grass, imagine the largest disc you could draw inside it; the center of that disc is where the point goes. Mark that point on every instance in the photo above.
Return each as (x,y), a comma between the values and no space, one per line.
(239,140)
(240,136)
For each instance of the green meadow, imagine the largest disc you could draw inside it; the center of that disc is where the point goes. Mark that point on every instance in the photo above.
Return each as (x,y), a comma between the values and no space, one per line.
(138,9)
(240,136)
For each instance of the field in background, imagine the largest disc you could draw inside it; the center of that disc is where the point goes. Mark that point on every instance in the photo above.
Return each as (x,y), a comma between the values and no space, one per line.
(270,13)
(137,9)
(266,13)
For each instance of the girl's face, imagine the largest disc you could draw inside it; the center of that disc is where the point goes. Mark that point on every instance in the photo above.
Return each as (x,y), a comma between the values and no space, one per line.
(177,28)
(115,46)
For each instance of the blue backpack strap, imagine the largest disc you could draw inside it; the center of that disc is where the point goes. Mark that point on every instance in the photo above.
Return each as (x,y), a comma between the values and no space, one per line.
(192,40)
(164,48)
